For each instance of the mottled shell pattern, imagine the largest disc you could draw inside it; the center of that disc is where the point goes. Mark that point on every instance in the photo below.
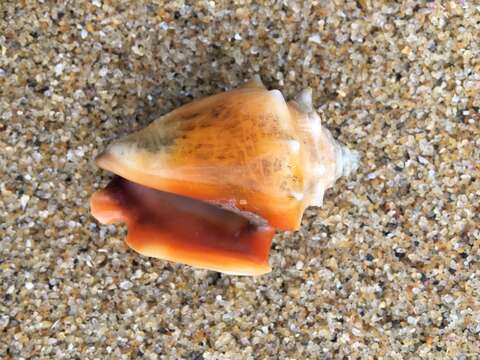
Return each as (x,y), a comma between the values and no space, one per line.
(246,151)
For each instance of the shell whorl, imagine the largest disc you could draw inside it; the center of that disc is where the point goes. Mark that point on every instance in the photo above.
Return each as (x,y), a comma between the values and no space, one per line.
(347,160)
(329,159)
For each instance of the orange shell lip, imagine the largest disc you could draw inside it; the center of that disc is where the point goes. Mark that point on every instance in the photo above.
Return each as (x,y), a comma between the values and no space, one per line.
(181,229)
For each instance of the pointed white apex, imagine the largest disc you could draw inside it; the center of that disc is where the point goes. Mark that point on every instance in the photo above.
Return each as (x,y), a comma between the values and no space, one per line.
(304,100)
(278,95)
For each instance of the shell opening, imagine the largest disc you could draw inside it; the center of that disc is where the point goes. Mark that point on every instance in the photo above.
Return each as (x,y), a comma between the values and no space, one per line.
(182,229)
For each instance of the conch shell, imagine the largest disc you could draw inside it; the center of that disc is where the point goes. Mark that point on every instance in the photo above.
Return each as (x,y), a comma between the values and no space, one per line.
(207,183)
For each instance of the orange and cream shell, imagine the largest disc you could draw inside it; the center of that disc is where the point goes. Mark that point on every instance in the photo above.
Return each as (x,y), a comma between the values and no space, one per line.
(208,183)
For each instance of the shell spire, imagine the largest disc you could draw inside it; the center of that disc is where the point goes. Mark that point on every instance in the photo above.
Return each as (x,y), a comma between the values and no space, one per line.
(347,160)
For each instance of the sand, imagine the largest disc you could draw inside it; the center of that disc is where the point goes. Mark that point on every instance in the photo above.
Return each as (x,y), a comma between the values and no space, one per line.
(388,268)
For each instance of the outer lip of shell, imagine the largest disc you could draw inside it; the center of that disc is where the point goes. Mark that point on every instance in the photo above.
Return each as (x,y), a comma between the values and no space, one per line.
(180,229)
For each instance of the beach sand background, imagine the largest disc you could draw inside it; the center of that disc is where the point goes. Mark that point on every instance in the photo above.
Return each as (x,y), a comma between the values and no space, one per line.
(389,268)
